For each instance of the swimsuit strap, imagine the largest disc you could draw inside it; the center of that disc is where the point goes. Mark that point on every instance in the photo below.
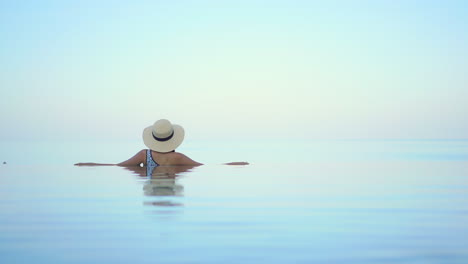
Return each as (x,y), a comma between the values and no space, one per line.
(150,163)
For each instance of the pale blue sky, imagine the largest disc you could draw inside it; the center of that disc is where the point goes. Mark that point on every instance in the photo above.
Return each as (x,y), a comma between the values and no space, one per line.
(282,69)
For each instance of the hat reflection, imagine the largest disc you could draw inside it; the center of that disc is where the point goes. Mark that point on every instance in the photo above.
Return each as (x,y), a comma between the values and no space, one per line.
(162,182)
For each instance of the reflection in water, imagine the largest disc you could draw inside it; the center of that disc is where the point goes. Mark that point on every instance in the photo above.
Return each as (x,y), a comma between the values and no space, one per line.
(162,182)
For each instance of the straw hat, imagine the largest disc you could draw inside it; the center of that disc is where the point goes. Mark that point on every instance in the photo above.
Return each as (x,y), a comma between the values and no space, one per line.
(163,136)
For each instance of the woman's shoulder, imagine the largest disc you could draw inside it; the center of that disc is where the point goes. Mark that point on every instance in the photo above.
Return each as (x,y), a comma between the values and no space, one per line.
(173,158)
(181,159)
(162,154)
(176,156)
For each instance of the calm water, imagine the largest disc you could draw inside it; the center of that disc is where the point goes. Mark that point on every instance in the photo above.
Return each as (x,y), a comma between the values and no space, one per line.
(298,202)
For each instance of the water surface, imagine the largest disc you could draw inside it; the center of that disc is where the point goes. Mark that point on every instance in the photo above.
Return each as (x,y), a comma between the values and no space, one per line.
(319,201)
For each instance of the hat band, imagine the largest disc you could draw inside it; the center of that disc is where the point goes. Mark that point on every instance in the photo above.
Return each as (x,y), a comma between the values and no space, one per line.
(163,139)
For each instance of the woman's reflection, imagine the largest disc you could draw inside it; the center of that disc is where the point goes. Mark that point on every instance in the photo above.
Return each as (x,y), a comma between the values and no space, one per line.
(162,182)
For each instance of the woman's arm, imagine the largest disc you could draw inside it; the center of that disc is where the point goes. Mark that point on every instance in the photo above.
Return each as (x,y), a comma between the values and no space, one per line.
(236,163)
(136,160)
(184,160)
(93,164)
(181,159)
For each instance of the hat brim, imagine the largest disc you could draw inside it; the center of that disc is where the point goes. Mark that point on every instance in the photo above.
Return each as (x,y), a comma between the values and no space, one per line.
(163,146)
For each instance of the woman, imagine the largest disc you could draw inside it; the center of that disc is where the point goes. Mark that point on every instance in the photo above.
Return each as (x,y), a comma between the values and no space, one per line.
(162,139)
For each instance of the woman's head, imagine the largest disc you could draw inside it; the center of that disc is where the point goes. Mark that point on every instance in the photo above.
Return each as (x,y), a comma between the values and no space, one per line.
(163,136)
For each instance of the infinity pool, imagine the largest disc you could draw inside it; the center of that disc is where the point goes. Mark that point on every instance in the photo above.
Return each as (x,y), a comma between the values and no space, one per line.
(322,202)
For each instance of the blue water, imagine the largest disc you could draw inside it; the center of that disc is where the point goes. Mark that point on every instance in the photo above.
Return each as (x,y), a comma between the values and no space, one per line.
(298,202)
